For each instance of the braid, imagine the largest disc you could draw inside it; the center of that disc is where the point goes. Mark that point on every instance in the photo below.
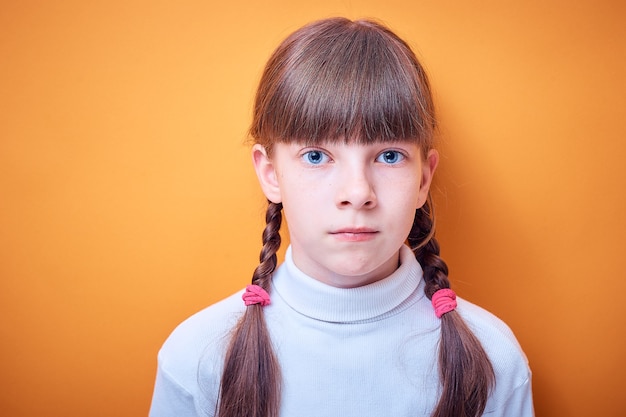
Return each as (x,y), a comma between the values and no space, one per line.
(271,243)
(465,370)
(250,383)
(426,248)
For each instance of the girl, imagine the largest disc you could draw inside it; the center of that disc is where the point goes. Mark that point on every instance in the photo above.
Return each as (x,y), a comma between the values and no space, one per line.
(359,320)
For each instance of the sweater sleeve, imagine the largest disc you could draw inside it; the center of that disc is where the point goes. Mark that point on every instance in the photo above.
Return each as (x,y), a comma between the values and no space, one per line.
(519,403)
(171,399)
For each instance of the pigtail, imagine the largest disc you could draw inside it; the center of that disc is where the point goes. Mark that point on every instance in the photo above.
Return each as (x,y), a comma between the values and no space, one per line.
(465,370)
(250,384)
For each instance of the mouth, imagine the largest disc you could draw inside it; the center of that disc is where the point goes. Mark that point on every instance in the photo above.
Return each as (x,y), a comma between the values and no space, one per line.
(354,234)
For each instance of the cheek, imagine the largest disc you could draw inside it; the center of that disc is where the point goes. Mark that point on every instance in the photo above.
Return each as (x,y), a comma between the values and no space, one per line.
(401,203)
(404,190)
(300,202)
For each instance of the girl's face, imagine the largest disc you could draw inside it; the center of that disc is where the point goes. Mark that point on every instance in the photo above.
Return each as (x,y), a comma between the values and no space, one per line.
(349,207)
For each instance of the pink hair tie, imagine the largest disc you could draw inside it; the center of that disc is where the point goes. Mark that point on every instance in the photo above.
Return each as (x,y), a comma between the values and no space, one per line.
(443,301)
(255,295)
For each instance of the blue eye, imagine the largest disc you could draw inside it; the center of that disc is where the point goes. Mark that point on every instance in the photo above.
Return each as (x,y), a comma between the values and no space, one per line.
(390,157)
(315,157)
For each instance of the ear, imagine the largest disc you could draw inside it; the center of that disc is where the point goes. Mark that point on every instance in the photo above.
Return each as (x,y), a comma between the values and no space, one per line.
(428,170)
(266,173)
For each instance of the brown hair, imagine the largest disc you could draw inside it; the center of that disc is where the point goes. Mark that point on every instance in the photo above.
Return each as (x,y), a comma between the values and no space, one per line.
(352,81)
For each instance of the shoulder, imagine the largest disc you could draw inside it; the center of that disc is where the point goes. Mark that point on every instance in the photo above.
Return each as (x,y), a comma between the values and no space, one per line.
(483,321)
(203,336)
(509,361)
(495,335)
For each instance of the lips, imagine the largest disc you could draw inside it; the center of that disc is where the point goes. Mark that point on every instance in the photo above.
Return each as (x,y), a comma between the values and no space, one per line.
(354,234)
(354,230)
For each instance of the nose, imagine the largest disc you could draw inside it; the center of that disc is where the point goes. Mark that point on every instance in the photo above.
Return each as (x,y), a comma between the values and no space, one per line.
(356,190)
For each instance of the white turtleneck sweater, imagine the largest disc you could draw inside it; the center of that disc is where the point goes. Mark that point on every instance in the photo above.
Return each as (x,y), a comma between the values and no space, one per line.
(366,351)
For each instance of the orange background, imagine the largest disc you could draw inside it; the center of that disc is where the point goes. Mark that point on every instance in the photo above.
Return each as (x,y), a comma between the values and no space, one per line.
(128,201)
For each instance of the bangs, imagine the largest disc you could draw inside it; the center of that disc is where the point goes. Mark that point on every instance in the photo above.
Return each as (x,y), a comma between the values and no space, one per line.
(343,81)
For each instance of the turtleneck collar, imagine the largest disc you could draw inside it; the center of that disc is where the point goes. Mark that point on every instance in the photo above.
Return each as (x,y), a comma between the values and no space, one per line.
(320,301)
